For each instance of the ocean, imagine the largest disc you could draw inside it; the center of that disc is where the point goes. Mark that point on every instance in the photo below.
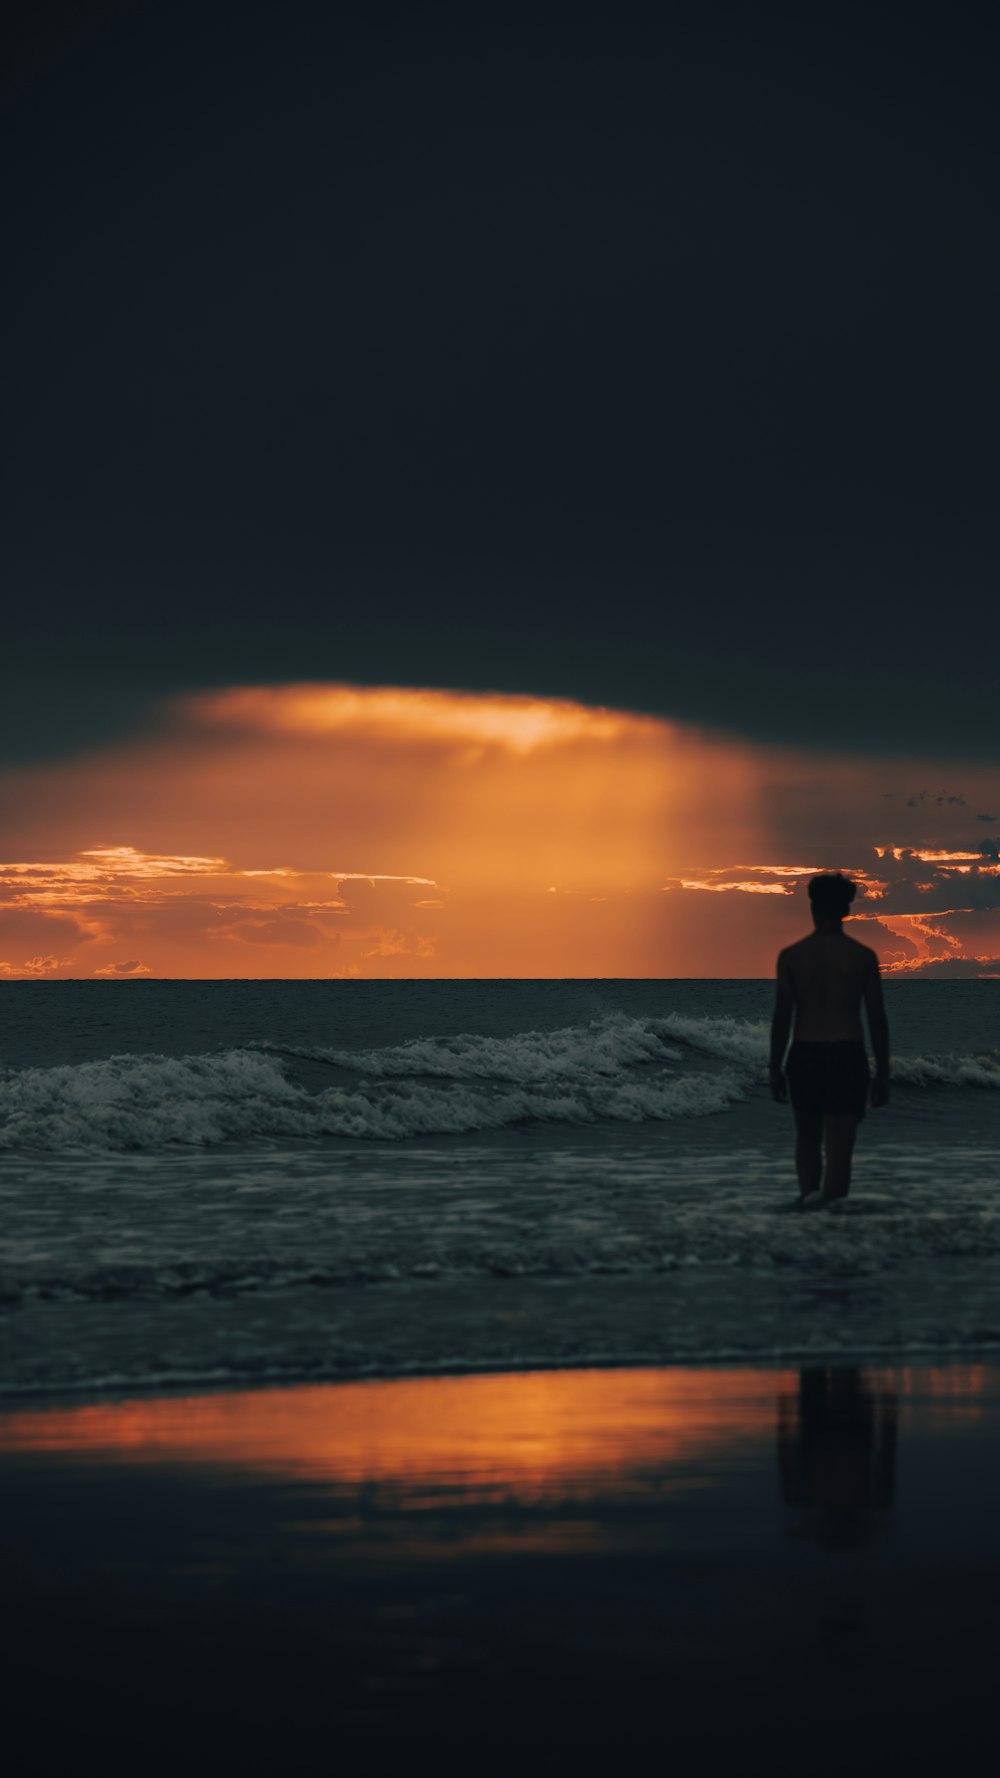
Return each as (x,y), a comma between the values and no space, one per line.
(226,1183)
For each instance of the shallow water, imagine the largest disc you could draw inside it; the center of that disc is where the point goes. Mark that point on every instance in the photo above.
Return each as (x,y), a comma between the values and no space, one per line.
(516,1173)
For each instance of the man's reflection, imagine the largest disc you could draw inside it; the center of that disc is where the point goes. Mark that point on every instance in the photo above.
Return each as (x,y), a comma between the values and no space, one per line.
(837,1452)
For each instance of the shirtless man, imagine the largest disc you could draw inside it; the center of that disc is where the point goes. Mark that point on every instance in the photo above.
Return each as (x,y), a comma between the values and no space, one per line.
(822,981)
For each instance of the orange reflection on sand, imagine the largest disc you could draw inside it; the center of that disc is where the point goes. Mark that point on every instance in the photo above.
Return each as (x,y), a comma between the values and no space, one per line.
(957,1390)
(528,1434)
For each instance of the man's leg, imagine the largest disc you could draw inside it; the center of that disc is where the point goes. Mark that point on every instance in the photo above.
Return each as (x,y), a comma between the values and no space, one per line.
(808,1150)
(839,1131)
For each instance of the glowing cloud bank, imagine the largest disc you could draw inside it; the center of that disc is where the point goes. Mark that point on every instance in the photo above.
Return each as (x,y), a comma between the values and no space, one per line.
(325,830)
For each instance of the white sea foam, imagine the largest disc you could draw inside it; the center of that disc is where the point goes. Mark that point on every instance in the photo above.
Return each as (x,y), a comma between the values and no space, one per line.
(620,1070)
(948,1071)
(100,1227)
(599,1050)
(203,1266)
(736,1040)
(127,1102)
(615,1069)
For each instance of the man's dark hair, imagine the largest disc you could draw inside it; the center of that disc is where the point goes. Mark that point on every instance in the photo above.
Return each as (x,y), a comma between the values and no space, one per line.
(832,895)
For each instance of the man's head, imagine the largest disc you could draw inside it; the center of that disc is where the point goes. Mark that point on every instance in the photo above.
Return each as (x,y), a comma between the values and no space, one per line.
(831,896)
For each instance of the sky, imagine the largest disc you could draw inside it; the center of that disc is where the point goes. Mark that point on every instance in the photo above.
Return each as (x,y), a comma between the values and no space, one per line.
(496,491)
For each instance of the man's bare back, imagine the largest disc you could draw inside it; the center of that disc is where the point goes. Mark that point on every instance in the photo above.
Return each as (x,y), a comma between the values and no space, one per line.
(828,975)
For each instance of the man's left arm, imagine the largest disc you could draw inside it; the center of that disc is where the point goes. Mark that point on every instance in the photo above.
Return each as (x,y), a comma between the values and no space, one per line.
(781,1025)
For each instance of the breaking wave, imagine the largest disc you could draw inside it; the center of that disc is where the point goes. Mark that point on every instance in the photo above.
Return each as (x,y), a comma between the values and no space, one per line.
(615,1069)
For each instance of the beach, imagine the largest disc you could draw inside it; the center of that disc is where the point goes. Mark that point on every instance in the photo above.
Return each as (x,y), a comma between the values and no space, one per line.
(418,1377)
(499,892)
(553,1571)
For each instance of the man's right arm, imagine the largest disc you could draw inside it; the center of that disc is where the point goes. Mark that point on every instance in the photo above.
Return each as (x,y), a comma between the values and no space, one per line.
(878,1030)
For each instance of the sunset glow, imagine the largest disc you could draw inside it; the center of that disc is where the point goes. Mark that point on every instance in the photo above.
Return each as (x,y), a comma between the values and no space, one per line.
(330,830)
(496,501)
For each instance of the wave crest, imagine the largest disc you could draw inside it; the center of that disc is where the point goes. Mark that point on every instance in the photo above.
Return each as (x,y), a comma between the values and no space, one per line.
(615,1069)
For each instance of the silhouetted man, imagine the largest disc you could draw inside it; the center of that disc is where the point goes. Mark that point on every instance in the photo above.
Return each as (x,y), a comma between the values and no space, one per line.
(822,982)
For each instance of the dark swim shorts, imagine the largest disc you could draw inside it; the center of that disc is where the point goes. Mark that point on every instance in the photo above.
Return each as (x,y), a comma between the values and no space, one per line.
(828,1078)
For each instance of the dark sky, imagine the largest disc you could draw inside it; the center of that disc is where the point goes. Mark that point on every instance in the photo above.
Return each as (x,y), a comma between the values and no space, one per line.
(647,357)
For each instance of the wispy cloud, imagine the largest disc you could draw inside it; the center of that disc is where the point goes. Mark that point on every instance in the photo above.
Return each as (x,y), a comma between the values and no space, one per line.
(32,966)
(115,868)
(924,895)
(746,879)
(105,896)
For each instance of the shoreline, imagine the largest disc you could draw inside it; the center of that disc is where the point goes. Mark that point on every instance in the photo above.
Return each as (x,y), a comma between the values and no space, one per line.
(172,1386)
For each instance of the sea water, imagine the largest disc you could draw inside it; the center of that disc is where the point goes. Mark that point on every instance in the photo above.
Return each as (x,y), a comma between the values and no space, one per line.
(241,1181)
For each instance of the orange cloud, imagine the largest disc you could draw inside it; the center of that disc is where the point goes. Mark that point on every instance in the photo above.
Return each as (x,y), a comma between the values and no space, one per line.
(947,857)
(32,966)
(442,787)
(770,879)
(336,830)
(748,888)
(519,725)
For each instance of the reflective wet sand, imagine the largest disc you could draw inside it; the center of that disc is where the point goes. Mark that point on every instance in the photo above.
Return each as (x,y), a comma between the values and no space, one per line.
(633,1570)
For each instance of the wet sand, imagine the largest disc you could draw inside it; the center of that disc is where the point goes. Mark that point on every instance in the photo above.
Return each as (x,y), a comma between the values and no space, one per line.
(645,1570)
